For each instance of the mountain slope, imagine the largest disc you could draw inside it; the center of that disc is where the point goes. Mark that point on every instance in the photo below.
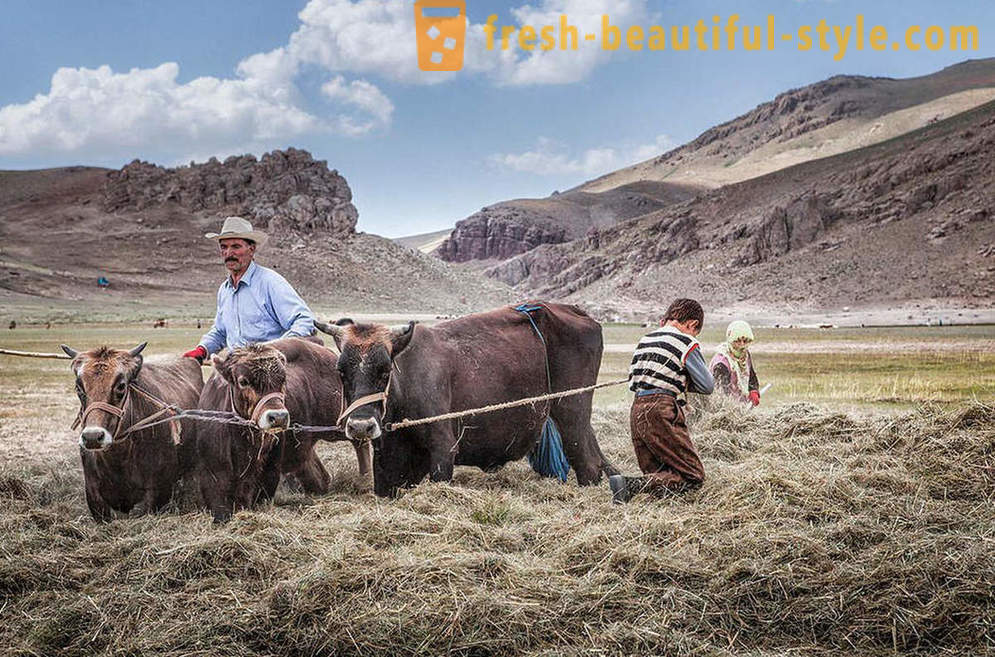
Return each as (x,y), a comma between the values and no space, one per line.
(142,228)
(842,113)
(911,218)
(508,228)
(827,118)
(424,242)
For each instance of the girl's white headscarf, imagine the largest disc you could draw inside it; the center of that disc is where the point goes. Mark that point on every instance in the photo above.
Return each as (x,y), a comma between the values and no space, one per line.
(739,359)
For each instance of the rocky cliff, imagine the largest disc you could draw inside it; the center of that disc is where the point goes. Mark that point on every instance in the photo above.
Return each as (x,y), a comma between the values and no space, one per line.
(509,228)
(284,191)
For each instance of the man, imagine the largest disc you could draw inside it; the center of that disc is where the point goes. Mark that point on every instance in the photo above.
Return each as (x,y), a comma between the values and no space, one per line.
(255,304)
(667,363)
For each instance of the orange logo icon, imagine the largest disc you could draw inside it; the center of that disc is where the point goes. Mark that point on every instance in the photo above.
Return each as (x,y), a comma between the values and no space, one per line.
(441,33)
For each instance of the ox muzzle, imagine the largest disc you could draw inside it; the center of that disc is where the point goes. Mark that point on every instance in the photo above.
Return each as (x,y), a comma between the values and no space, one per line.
(95,437)
(362,418)
(363,429)
(270,412)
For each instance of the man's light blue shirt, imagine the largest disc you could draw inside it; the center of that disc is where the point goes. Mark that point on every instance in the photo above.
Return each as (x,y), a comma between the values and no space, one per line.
(262,307)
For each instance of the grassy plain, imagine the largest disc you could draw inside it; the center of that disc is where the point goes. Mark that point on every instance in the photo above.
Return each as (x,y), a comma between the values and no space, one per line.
(851,514)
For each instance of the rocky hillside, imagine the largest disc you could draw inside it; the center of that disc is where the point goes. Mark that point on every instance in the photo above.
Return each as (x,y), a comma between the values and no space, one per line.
(912,218)
(142,227)
(285,190)
(843,113)
(837,115)
(509,228)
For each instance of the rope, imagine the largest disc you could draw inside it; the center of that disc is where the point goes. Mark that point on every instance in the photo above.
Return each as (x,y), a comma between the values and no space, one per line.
(527,311)
(33,354)
(227,417)
(393,426)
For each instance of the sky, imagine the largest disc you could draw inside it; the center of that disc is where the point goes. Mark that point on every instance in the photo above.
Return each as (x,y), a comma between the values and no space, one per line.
(101,83)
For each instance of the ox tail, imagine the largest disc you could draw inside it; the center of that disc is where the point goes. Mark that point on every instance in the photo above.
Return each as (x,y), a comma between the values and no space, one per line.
(547,457)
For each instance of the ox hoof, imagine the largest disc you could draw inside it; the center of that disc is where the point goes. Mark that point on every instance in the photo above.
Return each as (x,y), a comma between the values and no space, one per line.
(623,488)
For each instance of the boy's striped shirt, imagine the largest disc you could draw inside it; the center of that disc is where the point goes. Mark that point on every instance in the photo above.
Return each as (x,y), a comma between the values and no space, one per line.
(658,361)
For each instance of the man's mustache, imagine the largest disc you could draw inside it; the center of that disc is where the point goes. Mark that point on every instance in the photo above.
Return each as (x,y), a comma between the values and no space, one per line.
(231,259)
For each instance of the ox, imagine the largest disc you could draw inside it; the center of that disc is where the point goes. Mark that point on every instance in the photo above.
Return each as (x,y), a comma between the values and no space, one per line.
(117,389)
(389,374)
(271,384)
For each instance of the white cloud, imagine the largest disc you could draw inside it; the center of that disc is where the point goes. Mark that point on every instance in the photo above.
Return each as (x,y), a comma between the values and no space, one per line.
(98,109)
(103,114)
(550,158)
(366,97)
(557,66)
(365,36)
(376,37)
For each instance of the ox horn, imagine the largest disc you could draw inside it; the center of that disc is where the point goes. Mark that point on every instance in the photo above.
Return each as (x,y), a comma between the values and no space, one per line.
(400,338)
(72,353)
(331,329)
(400,329)
(137,350)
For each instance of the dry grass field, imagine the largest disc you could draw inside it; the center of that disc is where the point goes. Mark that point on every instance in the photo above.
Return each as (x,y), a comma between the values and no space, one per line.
(852,513)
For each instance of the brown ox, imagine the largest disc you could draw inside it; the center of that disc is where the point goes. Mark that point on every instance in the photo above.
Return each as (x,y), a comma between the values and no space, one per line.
(116,389)
(274,383)
(473,361)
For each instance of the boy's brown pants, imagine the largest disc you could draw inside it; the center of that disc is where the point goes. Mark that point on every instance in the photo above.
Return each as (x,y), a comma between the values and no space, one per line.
(663,446)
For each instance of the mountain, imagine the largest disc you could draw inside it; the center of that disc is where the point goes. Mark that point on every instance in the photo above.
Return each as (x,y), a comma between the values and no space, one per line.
(909,219)
(424,242)
(506,229)
(142,228)
(843,113)
(837,115)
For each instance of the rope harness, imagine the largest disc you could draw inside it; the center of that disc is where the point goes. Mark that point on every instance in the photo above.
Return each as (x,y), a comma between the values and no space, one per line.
(119,411)
(366,399)
(258,409)
(527,311)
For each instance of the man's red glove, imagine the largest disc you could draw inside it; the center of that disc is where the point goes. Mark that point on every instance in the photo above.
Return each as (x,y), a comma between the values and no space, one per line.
(199,353)
(755,397)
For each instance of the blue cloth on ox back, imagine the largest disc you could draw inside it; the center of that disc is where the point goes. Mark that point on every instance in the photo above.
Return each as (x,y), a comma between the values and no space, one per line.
(547,456)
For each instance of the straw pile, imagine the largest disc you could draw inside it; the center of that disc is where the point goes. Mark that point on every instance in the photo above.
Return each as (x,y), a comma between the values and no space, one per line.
(817,532)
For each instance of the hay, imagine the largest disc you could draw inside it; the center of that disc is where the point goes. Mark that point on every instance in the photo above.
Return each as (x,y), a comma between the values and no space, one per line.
(817,532)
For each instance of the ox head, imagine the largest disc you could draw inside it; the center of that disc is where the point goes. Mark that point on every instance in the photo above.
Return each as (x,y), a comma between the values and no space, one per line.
(257,378)
(102,379)
(366,355)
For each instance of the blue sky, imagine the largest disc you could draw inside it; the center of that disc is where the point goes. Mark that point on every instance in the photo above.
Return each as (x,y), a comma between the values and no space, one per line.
(101,83)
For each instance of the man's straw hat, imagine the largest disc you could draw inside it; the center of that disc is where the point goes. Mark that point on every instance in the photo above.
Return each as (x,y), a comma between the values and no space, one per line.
(239,228)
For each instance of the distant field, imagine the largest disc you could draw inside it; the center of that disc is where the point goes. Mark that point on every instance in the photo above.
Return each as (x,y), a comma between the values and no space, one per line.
(848,515)
(885,367)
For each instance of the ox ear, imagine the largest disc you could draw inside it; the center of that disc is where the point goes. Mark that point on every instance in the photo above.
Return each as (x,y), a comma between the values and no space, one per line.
(400,337)
(334,330)
(222,367)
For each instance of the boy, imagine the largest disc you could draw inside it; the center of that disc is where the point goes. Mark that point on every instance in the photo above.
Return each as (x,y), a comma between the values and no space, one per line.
(667,363)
